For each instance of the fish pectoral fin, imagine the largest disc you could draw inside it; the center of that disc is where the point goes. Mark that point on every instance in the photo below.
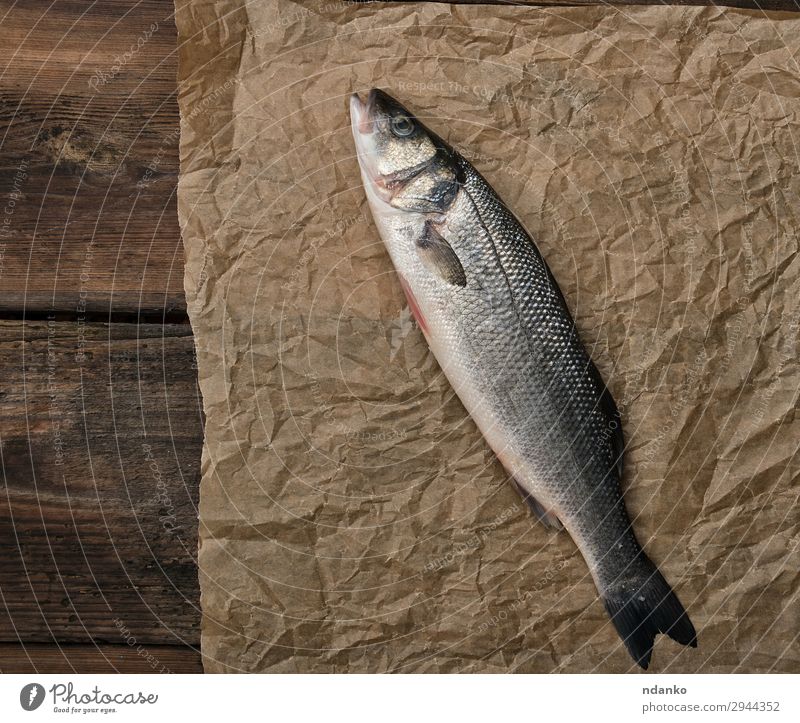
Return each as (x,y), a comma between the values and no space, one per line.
(547,518)
(439,257)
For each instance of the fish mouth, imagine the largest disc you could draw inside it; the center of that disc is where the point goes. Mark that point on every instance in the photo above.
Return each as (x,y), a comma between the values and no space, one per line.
(362,122)
(361,113)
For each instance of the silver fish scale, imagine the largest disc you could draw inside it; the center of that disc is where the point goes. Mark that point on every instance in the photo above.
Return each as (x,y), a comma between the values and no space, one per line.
(535,393)
(496,321)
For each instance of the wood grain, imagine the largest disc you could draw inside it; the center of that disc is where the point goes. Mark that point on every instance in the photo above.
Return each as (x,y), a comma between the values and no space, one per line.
(89,129)
(100,428)
(134,658)
(101,434)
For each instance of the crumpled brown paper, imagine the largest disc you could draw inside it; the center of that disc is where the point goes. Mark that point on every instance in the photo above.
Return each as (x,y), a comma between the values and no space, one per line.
(352,518)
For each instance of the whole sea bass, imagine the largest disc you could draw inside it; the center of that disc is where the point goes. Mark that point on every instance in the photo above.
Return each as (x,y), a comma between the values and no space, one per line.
(499,327)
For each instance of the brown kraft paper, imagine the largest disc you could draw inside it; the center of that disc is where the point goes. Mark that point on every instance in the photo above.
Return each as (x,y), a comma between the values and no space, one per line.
(352,517)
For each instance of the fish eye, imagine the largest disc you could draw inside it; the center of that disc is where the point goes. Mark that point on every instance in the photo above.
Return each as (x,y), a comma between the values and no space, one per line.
(402,126)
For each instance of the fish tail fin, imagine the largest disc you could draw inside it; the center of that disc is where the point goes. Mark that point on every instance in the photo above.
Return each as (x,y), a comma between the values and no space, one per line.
(643,606)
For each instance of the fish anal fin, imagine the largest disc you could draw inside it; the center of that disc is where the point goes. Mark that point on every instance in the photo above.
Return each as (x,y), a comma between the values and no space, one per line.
(439,258)
(547,518)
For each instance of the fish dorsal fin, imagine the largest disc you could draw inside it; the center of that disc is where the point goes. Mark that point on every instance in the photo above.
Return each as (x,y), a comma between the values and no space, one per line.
(439,257)
(548,519)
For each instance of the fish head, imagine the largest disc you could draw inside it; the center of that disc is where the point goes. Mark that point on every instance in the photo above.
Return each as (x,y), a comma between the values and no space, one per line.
(403,164)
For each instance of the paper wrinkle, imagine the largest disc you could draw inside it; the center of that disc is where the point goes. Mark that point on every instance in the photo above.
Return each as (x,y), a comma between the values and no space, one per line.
(352,517)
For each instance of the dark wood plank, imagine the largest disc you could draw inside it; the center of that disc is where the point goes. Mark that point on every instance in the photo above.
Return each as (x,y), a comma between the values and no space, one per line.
(132,658)
(89,132)
(100,441)
(100,429)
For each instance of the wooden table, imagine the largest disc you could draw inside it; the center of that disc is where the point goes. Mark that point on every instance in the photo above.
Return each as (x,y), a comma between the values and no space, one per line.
(100,414)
